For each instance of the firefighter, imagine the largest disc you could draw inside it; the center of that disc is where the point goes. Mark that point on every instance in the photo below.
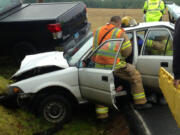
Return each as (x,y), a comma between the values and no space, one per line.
(153,10)
(157,47)
(123,70)
(128,21)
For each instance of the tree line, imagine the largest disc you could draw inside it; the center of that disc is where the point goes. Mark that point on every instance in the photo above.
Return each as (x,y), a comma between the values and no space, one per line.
(105,3)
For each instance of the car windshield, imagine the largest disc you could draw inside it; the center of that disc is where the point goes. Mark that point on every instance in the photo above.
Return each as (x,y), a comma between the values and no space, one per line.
(8,4)
(81,52)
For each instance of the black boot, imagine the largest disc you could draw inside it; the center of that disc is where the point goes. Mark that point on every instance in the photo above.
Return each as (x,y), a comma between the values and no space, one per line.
(142,106)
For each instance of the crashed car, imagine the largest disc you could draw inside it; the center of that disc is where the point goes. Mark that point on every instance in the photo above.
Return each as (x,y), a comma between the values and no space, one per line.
(53,83)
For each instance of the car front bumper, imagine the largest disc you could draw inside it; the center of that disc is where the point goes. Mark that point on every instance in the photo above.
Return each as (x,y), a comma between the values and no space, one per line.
(15,97)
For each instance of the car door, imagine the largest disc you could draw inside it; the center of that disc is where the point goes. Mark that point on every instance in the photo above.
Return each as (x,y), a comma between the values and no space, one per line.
(97,84)
(152,58)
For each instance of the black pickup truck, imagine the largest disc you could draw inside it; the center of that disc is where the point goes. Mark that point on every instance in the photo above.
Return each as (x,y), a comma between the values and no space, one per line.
(39,27)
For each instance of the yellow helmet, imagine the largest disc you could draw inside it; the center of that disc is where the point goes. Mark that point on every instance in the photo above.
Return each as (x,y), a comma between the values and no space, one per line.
(128,21)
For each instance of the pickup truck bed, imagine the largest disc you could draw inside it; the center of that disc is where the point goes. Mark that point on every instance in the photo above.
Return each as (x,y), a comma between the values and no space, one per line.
(33,12)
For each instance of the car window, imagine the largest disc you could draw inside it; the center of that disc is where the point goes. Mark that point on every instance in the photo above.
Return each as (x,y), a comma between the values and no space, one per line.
(158,42)
(72,47)
(129,34)
(104,56)
(8,4)
(81,52)
(169,47)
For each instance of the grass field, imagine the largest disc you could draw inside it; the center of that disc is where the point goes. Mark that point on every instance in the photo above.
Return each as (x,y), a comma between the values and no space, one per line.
(20,122)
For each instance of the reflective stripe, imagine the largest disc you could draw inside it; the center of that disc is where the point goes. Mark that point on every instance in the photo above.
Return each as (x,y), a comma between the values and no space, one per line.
(106,53)
(103,66)
(102,110)
(121,64)
(126,45)
(114,35)
(150,10)
(154,4)
(149,43)
(139,96)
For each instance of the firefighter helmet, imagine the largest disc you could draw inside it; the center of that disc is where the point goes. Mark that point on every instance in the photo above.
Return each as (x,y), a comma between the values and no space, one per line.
(128,21)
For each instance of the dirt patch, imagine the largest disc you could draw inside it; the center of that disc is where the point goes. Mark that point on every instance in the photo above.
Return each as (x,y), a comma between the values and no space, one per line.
(118,125)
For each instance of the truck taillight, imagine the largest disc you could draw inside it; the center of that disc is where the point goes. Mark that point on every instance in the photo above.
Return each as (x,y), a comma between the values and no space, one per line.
(56,30)
(54,27)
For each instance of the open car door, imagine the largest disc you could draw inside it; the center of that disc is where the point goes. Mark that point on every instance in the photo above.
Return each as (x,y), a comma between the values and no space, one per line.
(155,53)
(97,84)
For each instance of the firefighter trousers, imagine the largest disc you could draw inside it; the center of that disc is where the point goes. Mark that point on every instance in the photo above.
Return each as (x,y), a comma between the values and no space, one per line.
(130,74)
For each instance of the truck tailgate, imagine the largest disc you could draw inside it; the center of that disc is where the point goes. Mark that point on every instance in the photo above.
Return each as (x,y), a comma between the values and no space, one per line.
(41,11)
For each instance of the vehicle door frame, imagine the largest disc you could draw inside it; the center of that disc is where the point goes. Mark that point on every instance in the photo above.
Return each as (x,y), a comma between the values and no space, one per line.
(161,58)
(112,93)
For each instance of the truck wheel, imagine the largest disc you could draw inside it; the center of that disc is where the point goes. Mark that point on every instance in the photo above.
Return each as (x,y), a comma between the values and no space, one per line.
(55,109)
(22,49)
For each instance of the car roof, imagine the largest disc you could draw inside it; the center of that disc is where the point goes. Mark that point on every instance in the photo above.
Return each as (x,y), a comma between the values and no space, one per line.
(151,24)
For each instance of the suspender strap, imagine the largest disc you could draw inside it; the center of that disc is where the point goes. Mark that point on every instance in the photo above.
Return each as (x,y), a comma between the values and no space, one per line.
(106,35)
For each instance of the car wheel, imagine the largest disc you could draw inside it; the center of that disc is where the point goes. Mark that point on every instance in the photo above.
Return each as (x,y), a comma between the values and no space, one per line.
(56,109)
(22,49)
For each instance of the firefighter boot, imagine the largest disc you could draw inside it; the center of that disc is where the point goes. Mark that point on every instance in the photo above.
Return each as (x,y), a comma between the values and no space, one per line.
(102,113)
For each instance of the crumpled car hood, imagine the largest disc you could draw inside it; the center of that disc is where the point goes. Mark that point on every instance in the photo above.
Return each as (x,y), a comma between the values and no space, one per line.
(42,59)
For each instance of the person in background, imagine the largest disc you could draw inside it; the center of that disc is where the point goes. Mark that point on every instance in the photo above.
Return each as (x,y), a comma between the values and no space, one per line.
(176,54)
(153,10)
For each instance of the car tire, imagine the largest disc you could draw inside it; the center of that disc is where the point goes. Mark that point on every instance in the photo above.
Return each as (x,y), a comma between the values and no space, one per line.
(55,109)
(22,49)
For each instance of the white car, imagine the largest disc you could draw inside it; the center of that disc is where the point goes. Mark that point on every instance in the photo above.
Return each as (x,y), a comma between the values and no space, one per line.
(53,82)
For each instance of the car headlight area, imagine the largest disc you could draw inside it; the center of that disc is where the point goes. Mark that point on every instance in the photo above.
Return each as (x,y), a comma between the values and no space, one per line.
(17,97)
